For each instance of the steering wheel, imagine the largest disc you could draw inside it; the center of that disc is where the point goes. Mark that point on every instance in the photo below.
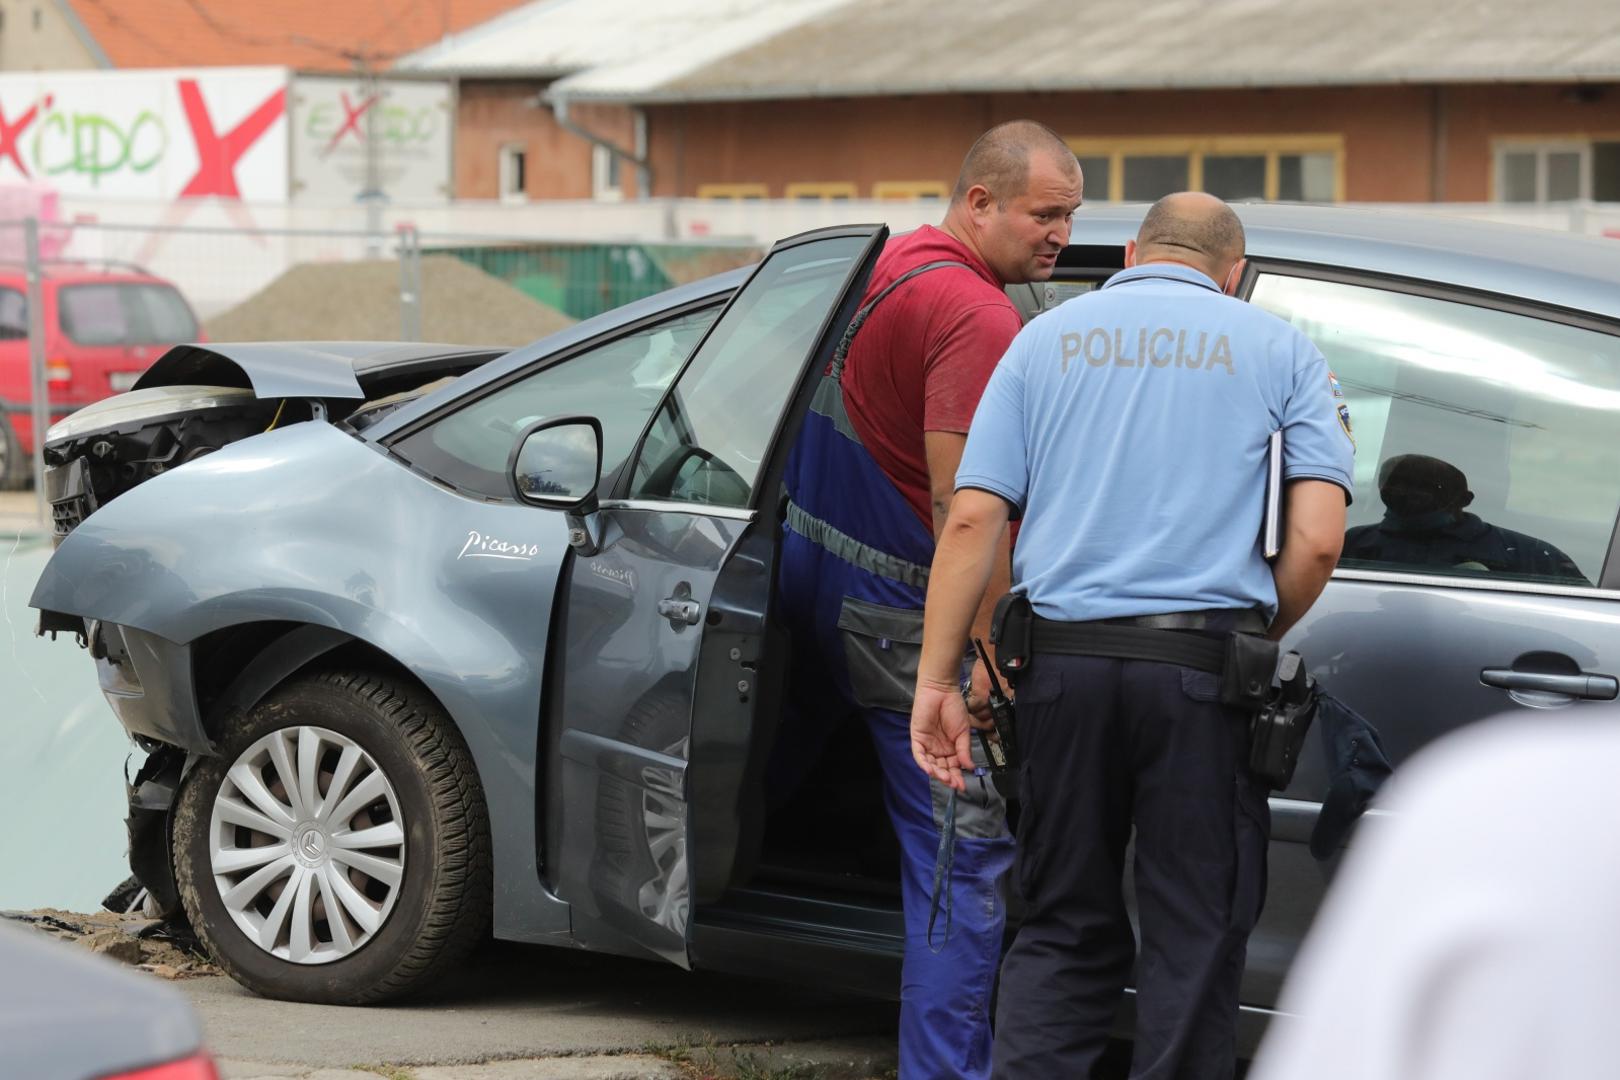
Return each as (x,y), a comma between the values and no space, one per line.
(661,481)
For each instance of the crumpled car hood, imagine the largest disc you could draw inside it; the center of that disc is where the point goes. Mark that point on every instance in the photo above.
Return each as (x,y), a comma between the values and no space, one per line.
(300,369)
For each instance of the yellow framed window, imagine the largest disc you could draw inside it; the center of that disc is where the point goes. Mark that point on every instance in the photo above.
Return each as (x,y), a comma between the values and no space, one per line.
(733,191)
(911,189)
(1289,168)
(820,191)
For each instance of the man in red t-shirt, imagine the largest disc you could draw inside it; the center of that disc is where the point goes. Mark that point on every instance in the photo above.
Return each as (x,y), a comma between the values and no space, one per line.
(916,369)
(869,482)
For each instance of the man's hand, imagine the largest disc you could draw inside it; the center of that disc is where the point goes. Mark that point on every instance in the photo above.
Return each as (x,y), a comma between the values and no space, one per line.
(939,734)
(963,562)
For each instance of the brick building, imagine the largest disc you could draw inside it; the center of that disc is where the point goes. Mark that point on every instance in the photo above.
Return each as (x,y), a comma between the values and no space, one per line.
(1379,101)
(514,142)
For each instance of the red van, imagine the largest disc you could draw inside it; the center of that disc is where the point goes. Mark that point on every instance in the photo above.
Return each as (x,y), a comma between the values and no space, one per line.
(104,324)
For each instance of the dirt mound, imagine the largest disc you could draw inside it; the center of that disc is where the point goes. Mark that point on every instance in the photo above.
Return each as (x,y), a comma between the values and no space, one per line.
(149,944)
(684,265)
(359,301)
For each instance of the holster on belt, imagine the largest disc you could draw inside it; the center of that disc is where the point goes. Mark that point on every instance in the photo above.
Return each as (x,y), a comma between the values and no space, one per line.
(1246,672)
(1278,728)
(1246,663)
(1012,631)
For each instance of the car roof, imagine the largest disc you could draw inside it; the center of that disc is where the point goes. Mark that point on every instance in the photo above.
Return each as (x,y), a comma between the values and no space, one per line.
(1543,265)
(74,271)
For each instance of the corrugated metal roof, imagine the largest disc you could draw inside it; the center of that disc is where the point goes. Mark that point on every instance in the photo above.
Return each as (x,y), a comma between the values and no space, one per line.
(869,47)
(659,41)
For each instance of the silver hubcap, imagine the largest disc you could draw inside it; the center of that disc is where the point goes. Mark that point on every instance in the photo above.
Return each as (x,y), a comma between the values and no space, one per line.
(307,845)
(664,899)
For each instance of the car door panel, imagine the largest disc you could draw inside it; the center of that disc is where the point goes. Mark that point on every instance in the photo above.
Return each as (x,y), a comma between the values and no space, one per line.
(664,620)
(627,696)
(1408,657)
(1513,416)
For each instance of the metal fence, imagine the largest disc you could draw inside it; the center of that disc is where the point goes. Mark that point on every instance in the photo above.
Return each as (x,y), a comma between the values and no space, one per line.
(86,306)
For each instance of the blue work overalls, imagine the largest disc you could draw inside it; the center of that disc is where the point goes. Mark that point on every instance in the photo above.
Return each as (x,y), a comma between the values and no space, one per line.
(853,576)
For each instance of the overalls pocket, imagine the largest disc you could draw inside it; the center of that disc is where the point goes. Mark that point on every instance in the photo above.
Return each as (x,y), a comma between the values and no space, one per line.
(882,649)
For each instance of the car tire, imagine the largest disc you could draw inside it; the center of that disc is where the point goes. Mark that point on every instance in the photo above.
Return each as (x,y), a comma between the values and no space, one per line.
(399,770)
(639,862)
(16,466)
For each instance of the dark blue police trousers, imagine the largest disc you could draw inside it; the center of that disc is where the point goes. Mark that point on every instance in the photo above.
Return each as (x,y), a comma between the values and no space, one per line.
(1107,744)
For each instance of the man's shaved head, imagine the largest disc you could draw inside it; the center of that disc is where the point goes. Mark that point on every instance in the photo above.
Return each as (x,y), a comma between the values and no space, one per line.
(999,161)
(1192,227)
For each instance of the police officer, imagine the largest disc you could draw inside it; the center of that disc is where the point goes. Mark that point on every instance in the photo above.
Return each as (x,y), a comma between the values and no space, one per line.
(869,480)
(1129,428)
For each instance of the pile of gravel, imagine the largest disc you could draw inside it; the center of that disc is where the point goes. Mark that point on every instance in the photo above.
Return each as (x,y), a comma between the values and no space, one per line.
(359,301)
(683,265)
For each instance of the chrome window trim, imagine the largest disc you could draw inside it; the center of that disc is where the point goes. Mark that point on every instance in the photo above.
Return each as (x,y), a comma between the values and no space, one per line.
(1590,592)
(735,513)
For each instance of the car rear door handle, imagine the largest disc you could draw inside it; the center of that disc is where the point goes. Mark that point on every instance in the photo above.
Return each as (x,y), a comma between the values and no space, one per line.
(1597,687)
(679,611)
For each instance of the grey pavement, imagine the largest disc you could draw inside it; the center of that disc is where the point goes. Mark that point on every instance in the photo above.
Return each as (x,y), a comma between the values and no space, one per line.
(515,1012)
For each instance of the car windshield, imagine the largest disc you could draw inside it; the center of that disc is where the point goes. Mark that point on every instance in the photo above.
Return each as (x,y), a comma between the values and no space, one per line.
(125,313)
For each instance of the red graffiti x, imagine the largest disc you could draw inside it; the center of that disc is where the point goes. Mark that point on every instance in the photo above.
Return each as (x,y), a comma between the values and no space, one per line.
(351,118)
(217,155)
(10,133)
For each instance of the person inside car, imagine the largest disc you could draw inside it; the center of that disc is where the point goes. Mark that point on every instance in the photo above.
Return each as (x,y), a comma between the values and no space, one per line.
(1426,523)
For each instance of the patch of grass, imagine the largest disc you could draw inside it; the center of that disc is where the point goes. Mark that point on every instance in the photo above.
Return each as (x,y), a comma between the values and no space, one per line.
(387,1072)
(747,1067)
(709,1060)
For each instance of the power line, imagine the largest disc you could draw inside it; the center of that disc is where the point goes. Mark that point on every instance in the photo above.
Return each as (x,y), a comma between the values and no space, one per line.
(357,52)
(134,31)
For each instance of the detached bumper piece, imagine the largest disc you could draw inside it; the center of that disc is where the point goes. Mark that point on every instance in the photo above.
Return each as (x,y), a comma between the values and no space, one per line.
(147,681)
(67,489)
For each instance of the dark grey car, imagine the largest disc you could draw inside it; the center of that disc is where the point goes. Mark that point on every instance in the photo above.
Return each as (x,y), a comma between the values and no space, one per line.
(502,648)
(68,1015)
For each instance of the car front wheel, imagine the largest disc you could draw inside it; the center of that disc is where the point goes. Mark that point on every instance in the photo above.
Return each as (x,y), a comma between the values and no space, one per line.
(15,462)
(336,850)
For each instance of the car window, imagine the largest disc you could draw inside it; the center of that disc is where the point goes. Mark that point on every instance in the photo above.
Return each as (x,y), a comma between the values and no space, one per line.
(124,313)
(13,315)
(620,383)
(1484,438)
(161,314)
(711,436)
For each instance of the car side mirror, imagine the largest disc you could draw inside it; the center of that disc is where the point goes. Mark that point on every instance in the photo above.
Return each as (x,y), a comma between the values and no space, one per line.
(558,464)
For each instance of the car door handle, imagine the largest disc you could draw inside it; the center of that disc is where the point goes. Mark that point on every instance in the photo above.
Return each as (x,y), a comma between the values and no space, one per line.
(1597,687)
(679,611)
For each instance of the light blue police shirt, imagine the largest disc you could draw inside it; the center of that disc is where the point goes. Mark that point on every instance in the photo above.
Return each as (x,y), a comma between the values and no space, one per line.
(1130,426)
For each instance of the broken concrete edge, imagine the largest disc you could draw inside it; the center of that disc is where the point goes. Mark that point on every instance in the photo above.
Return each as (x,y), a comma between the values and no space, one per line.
(855,1058)
(129,939)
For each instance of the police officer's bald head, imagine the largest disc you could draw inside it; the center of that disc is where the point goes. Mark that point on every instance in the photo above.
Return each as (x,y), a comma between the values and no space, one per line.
(1195,229)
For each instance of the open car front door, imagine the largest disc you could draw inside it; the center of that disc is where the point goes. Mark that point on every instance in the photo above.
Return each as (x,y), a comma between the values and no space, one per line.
(651,780)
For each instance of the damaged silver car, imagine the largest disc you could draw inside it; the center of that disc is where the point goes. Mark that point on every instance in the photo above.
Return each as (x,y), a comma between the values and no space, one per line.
(422,640)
